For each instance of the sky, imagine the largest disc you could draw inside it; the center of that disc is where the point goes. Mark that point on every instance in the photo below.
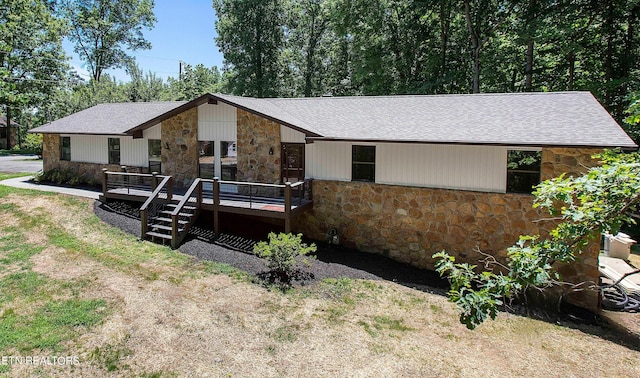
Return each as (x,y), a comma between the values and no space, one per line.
(184,31)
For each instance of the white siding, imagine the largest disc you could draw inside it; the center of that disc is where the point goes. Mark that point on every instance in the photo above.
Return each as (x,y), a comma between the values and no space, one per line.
(153,132)
(94,149)
(89,149)
(134,152)
(217,122)
(328,160)
(288,135)
(479,168)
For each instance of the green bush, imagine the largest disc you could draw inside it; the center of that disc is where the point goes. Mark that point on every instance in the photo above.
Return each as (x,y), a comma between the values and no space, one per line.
(282,253)
(60,176)
(33,144)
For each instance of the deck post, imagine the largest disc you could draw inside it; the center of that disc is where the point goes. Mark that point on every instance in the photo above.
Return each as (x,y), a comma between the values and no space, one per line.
(154,181)
(216,204)
(287,207)
(144,221)
(170,189)
(104,182)
(174,231)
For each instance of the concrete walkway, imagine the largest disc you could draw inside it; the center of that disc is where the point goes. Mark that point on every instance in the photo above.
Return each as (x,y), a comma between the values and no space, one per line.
(24,183)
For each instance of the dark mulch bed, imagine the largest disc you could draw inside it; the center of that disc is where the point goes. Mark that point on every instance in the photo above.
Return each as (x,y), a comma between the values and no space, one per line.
(330,262)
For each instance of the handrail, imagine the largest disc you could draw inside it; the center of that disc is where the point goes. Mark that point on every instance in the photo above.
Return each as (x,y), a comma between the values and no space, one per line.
(144,212)
(157,192)
(187,195)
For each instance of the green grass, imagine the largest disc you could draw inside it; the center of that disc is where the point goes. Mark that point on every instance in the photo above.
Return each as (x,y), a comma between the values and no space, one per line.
(52,324)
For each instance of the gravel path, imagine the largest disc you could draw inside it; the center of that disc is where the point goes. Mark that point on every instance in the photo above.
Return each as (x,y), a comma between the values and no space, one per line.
(330,262)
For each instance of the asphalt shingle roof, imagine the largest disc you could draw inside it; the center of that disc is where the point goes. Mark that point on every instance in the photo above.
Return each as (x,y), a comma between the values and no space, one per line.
(109,119)
(555,118)
(536,119)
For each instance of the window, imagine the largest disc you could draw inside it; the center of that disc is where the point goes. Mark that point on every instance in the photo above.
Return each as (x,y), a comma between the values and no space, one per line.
(523,170)
(155,149)
(363,163)
(114,150)
(3,132)
(228,161)
(206,159)
(65,148)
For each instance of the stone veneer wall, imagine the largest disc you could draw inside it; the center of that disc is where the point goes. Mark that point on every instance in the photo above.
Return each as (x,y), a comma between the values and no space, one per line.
(180,134)
(256,135)
(13,137)
(410,224)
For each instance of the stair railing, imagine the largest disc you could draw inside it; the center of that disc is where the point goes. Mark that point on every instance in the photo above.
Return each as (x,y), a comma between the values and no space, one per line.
(176,235)
(162,194)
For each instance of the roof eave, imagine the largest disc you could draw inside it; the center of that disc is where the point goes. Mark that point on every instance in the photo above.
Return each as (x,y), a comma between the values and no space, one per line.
(471,143)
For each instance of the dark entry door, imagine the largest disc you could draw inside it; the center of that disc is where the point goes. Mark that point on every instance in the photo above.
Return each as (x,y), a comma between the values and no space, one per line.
(292,162)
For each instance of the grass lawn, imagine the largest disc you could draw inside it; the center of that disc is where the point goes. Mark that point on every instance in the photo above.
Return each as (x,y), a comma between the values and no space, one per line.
(72,286)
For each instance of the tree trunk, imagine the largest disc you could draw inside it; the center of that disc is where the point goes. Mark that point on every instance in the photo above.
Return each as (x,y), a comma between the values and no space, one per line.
(528,69)
(475,49)
(9,127)
(571,58)
(445,26)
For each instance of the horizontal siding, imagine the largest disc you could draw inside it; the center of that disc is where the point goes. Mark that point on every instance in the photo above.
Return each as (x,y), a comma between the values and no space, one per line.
(328,161)
(153,132)
(89,149)
(480,168)
(217,122)
(289,135)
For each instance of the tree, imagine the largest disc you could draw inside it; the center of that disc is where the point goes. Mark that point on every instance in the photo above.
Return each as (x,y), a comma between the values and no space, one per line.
(600,201)
(251,37)
(143,87)
(103,30)
(32,61)
(194,81)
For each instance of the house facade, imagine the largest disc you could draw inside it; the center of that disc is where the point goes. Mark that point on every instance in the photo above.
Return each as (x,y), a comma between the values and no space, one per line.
(10,132)
(402,176)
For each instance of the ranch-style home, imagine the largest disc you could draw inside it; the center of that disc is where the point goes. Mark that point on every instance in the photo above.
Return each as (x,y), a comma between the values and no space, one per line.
(403,176)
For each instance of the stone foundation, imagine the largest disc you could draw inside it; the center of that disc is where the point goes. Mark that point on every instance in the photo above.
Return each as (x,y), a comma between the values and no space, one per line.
(410,224)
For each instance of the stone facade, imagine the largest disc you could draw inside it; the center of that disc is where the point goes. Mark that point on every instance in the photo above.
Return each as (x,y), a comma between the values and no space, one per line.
(180,147)
(410,224)
(256,137)
(13,137)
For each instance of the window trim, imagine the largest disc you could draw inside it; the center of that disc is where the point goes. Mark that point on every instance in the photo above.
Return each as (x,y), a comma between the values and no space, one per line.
(110,144)
(65,156)
(525,171)
(355,163)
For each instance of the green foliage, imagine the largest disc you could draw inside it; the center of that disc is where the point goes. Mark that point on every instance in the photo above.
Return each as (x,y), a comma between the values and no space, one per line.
(104,31)
(33,144)
(61,176)
(283,252)
(602,200)
(632,121)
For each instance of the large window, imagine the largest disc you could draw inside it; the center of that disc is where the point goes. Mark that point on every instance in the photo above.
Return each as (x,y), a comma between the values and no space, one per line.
(65,148)
(114,150)
(523,170)
(363,163)
(155,155)
(228,161)
(206,159)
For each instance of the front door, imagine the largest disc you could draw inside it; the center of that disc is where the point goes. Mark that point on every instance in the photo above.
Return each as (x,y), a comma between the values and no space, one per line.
(292,162)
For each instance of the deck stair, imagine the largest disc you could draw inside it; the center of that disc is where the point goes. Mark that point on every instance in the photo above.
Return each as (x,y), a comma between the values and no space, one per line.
(160,228)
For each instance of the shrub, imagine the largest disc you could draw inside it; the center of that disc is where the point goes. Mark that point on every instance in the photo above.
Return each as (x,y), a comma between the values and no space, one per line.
(282,253)
(33,144)
(60,176)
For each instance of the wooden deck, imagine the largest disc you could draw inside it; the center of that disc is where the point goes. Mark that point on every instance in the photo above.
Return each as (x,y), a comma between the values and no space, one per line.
(252,199)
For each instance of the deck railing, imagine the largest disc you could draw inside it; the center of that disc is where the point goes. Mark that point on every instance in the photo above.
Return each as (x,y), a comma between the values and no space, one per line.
(161,195)
(192,197)
(129,183)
